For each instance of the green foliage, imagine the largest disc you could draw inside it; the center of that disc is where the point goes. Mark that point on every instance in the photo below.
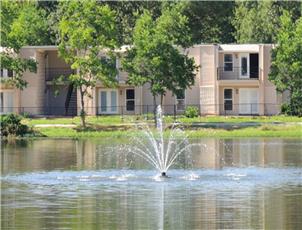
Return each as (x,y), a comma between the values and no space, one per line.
(191,112)
(154,58)
(29,28)
(18,66)
(87,29)
(285,109)
(22,24)
(259,21)
(11,125)
(127,12)
(210,21)
(286,68)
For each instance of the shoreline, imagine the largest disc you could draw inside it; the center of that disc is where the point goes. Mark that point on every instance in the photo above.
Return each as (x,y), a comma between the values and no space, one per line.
(282,131)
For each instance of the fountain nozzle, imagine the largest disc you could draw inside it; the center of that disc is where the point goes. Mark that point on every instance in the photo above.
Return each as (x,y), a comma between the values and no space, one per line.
(163,174)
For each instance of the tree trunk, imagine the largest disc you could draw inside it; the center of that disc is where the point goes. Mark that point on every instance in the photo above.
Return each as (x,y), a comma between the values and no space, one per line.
(82,113)
(161,100)
(154,109)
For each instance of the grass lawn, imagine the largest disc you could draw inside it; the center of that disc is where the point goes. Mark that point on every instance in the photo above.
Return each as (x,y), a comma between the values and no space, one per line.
(118,120)
(262,131)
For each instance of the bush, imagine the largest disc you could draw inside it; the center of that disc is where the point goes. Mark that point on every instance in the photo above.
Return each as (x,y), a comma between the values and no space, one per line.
(191,111)
(11,125)
(285,109)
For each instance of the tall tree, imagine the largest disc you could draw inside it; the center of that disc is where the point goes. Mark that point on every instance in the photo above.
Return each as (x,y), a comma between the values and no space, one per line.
(22,24)
(86,30)
(210,21)
(155,58)
(259,21)
(286,68)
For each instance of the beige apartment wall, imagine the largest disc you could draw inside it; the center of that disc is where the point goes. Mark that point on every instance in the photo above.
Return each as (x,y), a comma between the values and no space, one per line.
(89,102)
(54,61)
(32,97)
(192,93)
(208,79)
(271,99)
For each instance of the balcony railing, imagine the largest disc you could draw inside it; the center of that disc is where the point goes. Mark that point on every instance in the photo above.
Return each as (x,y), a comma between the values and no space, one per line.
(238,73)
(52,73)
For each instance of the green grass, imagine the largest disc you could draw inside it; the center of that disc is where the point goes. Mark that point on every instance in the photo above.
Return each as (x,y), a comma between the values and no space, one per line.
(238,119)
(262,131)
(100,120)
(118,120)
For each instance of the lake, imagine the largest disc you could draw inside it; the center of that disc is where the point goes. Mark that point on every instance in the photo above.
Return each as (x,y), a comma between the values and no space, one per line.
(92,184)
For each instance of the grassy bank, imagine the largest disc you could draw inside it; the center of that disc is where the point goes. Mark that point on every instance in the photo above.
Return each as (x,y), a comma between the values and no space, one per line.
(118,120)
(262,131)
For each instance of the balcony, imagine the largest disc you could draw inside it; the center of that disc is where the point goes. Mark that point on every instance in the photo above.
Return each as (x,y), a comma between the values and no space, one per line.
(238,73)
(53,73)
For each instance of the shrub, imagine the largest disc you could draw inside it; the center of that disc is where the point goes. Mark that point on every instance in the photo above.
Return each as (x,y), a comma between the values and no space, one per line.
(191,111)
(11,125)
(285,109)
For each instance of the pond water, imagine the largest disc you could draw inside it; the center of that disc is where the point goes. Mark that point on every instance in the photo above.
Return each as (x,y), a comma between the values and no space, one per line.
(88,184)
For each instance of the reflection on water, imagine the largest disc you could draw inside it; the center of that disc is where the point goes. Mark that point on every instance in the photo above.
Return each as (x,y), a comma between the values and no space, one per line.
(233,183)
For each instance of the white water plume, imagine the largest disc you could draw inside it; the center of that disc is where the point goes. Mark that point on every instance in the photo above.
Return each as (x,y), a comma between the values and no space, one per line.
(161,153)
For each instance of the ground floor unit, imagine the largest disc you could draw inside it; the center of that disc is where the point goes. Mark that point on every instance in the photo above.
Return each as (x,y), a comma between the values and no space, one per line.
(129,100)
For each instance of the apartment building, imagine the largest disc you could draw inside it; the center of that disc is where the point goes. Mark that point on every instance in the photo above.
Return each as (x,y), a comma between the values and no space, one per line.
(231,80)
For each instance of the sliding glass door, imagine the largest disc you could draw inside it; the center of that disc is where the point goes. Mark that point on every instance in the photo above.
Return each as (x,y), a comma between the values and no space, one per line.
(108,101)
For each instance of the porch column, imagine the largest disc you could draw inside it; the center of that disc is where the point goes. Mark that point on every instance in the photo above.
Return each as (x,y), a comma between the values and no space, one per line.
(261,82)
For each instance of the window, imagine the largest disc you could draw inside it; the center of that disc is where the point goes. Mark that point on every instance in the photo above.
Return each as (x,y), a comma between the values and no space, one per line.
(228,99)
(130,99)
(1,102)
(244,66)
(108,101)
(228,62)
(6,73)
(10,73)
(180,100)
(6,102)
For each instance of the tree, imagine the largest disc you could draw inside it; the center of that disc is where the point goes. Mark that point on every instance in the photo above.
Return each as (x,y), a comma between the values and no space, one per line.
(86,30)
(259,21)
(286,68)
(210,21)
(155,58)
(22,24)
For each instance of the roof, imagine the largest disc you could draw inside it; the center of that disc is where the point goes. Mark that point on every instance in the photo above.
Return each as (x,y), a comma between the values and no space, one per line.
(239,48)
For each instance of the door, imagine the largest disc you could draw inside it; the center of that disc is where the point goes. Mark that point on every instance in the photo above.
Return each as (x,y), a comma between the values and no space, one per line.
(130,99)
(248,101)
(254,65)
(107,101)
(244,70)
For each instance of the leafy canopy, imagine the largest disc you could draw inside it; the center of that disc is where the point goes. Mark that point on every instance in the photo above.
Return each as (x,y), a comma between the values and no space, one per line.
(286,68)
(155,58)
(259,21)
(87,30)
(22,24)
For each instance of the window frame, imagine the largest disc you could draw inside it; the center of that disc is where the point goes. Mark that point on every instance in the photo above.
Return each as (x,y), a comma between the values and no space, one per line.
(5,73)
(228,99)
(1,102)
(228,62)
(108,91)
(126,100)
(181,99)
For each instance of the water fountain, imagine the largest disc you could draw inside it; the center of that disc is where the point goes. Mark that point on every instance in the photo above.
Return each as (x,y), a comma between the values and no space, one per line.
(158,151)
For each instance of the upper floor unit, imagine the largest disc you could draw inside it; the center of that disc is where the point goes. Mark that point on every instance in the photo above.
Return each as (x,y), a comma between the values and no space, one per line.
(222,63)
(233,63)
